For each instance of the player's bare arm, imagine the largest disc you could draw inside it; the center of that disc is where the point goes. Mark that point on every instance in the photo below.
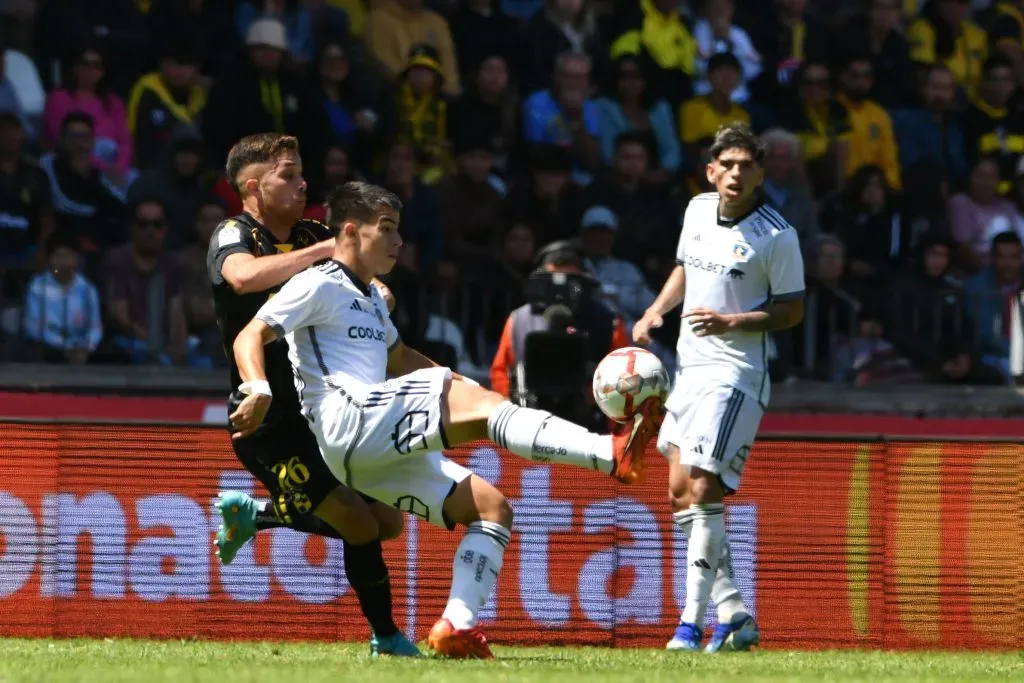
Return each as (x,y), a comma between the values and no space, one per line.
(671,295)
(248,350)
(778,315)
(246,273)
(402,360)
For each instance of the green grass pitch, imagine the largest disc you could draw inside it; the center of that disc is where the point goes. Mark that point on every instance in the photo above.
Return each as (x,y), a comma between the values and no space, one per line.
(111,661)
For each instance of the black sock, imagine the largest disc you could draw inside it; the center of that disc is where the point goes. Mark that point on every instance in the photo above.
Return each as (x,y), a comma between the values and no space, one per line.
(266,519)
(368,576)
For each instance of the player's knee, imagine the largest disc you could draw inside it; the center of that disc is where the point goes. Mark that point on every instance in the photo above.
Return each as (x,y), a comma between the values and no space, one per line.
(390,521)
(705,487)
(679,500)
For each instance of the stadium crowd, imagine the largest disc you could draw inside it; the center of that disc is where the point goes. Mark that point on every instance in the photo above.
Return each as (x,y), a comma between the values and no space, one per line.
(894,134)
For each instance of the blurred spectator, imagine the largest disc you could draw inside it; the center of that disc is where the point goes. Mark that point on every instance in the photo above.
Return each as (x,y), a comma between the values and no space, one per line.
(943,34)
(871,138)
(561,27)
(490,107)
(120,27)
(994,121)
(26,219)
(877,34)
(866,218)
(87,92)
(331,25)
(700,117)
(482,30)
(21,91)
(715,33)
(785,184)
(645,212)
(393,27)
(356,12)
(291,13)
(629,107)
(421,210)
(932,135)
(565,115)
(208,23)
(928,318)
(1007,34)
(146,318)
(421,114)
(471,208)
(991,293)
(62,309)
(164,101)
(656,32)
(178,182)
(978,214)
(623,288)
(196,293)
(869,358)
(831,309)
(785,41)
(547,198)
(823,126)
(260,95)
(337,170)
(353,123)
(88,208)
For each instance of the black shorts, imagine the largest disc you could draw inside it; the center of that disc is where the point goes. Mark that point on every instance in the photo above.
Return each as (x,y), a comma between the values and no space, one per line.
(285,456)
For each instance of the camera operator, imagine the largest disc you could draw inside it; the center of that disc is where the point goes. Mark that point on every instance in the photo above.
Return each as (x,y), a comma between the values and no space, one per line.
(563,300)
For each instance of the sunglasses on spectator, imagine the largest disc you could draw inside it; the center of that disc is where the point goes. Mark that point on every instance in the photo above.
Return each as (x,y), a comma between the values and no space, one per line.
(150,223)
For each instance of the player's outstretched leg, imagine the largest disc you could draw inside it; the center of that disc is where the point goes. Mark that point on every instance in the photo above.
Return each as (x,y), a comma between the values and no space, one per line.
(488,519)
(736,629)
(472,413)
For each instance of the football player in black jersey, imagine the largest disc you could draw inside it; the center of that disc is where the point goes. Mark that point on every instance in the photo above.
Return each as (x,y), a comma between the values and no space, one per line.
(251,255)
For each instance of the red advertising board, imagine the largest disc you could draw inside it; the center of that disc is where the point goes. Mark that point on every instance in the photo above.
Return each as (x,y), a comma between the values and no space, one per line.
(106,531)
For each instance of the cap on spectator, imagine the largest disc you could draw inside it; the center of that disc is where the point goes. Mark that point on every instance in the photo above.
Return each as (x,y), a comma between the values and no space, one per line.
(267,33)
(599,217)
(426,56)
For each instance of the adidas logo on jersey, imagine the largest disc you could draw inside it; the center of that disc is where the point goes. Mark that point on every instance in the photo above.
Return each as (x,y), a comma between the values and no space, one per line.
(356,307)
(696,237)
(698,449)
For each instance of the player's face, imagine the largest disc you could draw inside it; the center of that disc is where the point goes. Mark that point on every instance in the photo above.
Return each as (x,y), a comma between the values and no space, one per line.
(282,187)
(735,175)
(379,243)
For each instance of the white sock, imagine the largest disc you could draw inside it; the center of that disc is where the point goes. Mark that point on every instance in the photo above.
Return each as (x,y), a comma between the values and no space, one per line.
(477,563)
(540,436)
(724,594)
(703,555)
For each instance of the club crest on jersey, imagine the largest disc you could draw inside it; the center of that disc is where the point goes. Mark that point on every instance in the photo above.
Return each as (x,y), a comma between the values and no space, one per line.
(741,252)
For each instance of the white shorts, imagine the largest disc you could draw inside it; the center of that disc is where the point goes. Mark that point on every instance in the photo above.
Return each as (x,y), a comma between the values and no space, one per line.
(393,452)
(714,430)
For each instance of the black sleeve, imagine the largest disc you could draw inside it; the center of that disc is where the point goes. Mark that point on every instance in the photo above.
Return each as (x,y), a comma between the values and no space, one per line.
(230,237)
(147,142)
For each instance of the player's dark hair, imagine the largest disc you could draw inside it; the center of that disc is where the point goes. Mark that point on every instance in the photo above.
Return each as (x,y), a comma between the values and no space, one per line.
(262,148)
(359,201)
(77,117)
(737,135)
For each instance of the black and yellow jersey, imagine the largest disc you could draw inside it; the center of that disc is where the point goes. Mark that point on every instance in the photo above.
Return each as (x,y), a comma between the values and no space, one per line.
(243,234)
(992,131)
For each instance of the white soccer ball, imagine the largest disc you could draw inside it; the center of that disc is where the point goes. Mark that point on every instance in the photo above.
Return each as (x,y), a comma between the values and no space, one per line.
(625,378)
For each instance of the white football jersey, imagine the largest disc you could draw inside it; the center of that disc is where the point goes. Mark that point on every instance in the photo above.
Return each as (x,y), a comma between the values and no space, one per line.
(734,266)
(339,334)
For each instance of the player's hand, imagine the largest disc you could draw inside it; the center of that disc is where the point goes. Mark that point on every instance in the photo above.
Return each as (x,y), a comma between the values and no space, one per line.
(707,323)
(385,293)
(642,328)
(249,415)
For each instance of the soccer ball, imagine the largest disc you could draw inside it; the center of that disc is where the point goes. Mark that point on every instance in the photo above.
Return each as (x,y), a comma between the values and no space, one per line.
(625,378)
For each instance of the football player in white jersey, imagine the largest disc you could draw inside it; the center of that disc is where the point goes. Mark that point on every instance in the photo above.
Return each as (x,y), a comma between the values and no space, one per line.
(384,437)
(739,276)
